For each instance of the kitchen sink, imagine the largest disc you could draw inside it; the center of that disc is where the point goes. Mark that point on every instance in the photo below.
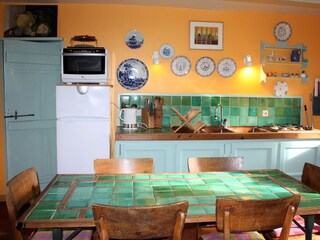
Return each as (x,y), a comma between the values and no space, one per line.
(231,129)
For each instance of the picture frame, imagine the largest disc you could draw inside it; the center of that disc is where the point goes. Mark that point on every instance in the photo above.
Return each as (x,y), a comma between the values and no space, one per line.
(206,35)
(31,21)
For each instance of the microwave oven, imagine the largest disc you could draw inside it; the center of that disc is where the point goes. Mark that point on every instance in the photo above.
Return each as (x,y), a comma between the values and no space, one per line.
(84,65)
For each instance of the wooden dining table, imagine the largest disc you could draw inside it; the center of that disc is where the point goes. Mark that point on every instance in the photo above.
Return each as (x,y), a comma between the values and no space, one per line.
(67,201)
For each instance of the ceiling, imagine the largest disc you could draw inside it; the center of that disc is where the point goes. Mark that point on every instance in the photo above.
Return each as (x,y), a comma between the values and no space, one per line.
(305,7)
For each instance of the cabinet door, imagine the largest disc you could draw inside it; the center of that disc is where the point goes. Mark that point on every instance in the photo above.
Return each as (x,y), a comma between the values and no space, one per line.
(186,149)
(294,154)
(256,154)
(162,153)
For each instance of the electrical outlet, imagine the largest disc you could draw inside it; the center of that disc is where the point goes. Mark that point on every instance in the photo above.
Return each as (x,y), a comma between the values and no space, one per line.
(265,113)
(138,112)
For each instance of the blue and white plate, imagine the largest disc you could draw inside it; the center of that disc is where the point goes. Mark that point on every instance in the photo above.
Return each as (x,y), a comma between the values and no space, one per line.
(134,39)
(166,51)
(205,66)
(227,67)
(132,74)
(180,65)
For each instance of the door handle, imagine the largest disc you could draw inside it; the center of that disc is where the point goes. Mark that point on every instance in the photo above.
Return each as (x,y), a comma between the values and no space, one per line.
(15,116)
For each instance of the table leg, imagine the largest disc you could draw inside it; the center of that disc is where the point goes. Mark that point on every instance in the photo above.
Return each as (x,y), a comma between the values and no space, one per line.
(309,222)
(57,234)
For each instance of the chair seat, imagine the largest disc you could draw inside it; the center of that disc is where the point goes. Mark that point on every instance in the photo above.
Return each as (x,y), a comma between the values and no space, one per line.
(295,231)
(239,236)
(47,235)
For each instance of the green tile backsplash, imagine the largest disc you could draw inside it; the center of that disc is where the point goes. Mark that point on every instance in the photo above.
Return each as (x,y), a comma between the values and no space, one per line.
(239,111)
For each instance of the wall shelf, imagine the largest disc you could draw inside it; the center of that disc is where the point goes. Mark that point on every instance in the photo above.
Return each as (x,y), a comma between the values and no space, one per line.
(275,60)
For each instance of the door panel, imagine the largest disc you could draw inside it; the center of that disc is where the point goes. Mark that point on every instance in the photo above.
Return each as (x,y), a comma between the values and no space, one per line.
(31,72)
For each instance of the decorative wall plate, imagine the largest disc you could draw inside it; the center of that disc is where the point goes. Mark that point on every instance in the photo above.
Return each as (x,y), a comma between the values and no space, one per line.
(205,66)
(180,65)
(282,31)
(227,67)
(134,39)
(166,51)
(280,89)
(132,74)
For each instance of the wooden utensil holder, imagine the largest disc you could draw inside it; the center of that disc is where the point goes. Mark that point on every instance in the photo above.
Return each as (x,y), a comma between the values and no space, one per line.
(146,118)
(154,121)
(158,117)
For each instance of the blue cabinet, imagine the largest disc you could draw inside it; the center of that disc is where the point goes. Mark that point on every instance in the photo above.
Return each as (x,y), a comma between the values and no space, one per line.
(171,156)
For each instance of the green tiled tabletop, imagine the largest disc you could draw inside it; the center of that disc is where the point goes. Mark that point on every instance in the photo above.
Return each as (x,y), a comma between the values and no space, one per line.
(68,198)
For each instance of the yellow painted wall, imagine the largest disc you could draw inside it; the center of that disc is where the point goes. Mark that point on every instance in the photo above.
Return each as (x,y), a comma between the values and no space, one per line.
(243,32)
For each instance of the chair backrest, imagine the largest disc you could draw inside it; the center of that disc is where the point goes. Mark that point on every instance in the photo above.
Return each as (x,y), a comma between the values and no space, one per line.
(123,166)
(211,164)
(311,176)
(233,215)
(22,190)
(151,222)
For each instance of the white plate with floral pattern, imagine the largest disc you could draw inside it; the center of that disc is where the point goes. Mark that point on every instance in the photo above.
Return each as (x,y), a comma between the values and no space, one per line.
(226,67)
(281,89)
(205,66)
(180,65)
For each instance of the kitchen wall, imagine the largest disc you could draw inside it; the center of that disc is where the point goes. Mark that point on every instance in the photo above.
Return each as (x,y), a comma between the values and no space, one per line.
(243,32)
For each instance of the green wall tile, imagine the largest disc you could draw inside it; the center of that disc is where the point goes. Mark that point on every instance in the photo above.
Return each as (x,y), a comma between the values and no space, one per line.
(287,102)
(279,102)
(234,101)
(262,102)
(253,102)
(296,103)
(287,112)
(206,101)
(252,111)
(225,101)
(176,100)
(135,100)
(215,101)
(279,112)
(243,111)
(196,101)
(167,100)
(186,101)
(234,111)
(243,102)
(125,101)
(271,102)
(205,111)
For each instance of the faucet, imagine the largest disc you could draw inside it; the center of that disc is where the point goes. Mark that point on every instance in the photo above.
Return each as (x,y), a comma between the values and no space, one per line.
(223,122)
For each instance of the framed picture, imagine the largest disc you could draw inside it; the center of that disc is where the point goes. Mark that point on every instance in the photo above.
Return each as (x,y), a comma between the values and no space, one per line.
(206,35)
(30,21)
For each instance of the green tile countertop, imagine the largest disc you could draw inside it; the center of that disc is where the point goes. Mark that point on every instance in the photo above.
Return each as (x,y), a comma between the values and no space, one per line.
(166,133)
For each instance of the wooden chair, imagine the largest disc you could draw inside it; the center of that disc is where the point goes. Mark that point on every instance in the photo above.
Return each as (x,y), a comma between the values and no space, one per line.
(246,217)
(22,190)
(162,221)
(211,164)
(310,177)
(123,166)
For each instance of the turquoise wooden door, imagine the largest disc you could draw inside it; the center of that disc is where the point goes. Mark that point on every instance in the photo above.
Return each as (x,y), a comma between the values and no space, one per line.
(31,72)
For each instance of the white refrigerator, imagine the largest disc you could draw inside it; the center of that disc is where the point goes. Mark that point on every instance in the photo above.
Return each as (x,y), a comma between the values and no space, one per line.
(83,127)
